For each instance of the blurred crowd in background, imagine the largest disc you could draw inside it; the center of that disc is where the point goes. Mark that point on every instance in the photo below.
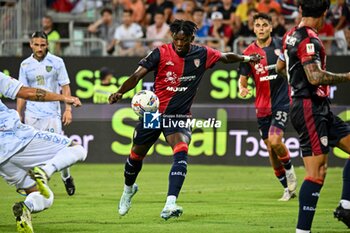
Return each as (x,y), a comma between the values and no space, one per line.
(134,27)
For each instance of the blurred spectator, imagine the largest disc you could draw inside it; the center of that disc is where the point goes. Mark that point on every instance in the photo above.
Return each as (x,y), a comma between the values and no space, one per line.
(221,32)
(198,16)
(105,28)
(82,6)
(138,10)
(264,6)
(179,14)
(278,28)
(243,9)
(104,88)
(160,5)
(327,31)
(62,5)
(159,30)
(52,35)
(340,15)
(289,9)
(246,30)
(342,38)
(188,8)
(125,35)
(228,11)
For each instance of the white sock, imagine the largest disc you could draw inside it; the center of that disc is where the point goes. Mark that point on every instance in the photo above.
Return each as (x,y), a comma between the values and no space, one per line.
(65,158)
(301,231)
(65,173)
(170,200)
(127,189)
(37,202)
(345,204)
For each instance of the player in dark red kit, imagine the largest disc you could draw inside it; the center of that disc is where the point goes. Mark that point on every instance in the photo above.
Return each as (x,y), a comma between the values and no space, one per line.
(318,128)
(272,100)
(178,68)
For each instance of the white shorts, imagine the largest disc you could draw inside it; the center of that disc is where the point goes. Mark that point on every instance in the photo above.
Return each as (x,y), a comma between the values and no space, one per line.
(42,148)
(51,124)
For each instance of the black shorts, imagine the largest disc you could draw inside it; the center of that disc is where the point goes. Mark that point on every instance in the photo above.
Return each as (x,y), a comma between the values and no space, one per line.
(149,136)
(317,127)
(278,119)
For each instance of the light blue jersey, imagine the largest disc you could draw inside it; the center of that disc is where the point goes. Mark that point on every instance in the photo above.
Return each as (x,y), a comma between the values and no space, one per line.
(49,74)
(13,134)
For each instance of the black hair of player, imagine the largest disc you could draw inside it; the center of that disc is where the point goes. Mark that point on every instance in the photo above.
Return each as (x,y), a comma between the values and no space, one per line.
(188,27)
(262,16)
(313,8)
(106,9)
(39,34)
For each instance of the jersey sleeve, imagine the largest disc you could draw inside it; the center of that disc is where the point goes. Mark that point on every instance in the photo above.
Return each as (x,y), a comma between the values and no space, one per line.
(9,87)
(63,78)
(309,51)
(22,75)
(213,56)
(151,61)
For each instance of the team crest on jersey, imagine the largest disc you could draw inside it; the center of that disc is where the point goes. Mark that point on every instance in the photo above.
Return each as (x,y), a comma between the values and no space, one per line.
(310,49)
(259,68)
(197,62)
(277,52)
(48,68)
(324,140)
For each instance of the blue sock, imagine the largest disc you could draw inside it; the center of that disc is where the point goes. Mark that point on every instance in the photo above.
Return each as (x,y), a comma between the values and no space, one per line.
(283,180)
(346,181)
(131,170)
(177,173)
(308,197)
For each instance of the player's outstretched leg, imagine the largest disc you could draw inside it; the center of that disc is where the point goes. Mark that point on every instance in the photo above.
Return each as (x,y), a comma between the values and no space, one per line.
(23,217)
(176,179)
(68,181)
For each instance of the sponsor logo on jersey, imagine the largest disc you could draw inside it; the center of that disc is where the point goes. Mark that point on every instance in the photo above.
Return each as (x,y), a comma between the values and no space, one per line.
(169,63)
(310,49)
(259,69)
(197,62)
(267,78)
(290,40)
(177,89)
(171,77)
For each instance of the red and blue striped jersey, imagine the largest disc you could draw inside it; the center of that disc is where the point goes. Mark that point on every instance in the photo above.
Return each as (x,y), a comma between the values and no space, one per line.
(176,79)
(271,88)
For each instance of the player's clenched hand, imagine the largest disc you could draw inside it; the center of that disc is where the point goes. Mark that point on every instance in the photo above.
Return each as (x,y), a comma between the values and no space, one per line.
(255,58)
(243,91)
(67,117)
(115,97)
(72,100)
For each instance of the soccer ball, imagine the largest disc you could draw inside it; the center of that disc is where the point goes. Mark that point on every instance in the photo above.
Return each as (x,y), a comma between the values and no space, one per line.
(144,101)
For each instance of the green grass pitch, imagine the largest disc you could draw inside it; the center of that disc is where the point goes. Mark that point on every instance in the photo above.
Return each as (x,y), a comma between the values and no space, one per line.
(215,199)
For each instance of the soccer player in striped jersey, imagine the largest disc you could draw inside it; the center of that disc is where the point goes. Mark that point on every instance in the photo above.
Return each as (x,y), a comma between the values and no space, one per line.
(178,69)
(272,100)
(319,129)
(47,71)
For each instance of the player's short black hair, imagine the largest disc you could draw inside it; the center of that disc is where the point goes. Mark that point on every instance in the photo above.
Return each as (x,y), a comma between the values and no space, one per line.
(262,16)
(39,34)
(188,27)
(198,9)
(313,8)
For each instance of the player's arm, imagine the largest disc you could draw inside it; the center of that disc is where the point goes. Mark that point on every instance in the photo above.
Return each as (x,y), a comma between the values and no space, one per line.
(243,86)
(232,58)
(67,115)
(36,94)
(281,68)
(20,107)
(129,84)
(317,76)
